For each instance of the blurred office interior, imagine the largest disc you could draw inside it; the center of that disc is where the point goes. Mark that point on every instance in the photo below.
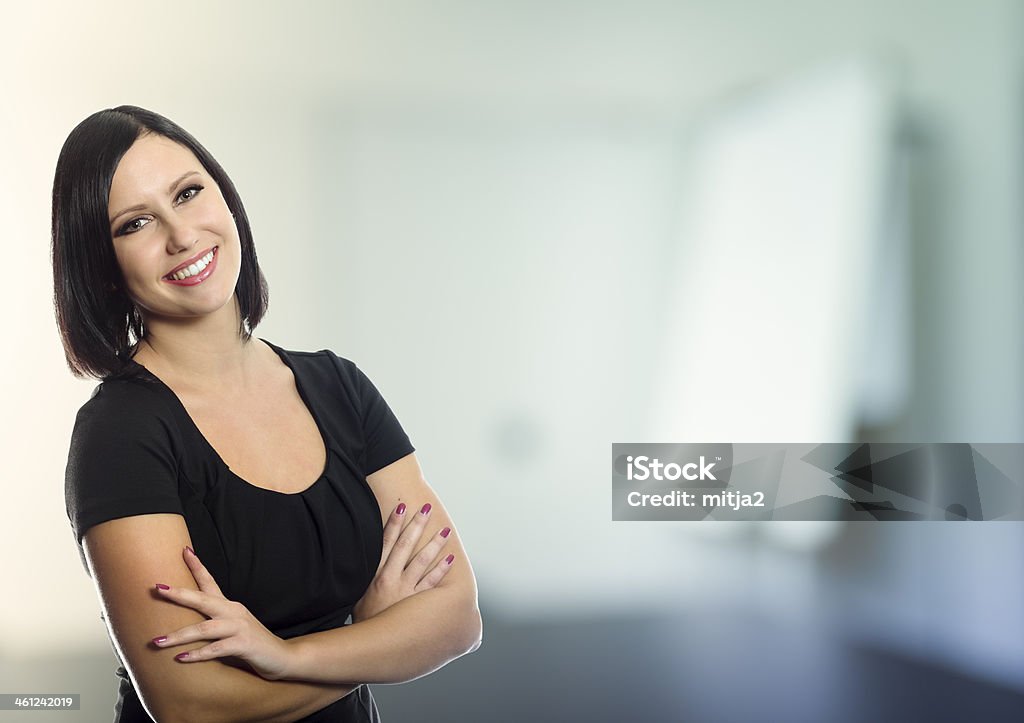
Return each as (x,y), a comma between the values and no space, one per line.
(544,227)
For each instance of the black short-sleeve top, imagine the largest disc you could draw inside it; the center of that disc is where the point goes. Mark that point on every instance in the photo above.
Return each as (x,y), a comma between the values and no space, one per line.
(299,562)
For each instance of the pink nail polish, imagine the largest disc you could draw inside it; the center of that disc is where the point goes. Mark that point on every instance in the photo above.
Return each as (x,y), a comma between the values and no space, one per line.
(189,548)
(161,586)
(181,656)
(425,509)
(401,509)
(446,531)
(157,641)
(448,560)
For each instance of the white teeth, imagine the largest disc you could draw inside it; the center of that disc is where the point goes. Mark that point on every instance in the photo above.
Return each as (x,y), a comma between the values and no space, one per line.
(193,269)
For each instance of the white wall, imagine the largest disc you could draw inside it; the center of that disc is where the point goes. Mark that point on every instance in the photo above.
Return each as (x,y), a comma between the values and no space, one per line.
(582,101)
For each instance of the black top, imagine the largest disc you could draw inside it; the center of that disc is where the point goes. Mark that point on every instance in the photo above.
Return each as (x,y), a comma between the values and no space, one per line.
(299,562)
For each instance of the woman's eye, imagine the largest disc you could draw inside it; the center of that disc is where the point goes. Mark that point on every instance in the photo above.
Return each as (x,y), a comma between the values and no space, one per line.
(189,193)
(132,226)
(136,224)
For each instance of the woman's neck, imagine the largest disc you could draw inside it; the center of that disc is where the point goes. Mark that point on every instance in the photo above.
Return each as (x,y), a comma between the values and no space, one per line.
(202,352)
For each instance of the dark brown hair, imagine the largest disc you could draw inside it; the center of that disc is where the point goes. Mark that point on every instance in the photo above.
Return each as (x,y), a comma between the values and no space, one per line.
(99,324)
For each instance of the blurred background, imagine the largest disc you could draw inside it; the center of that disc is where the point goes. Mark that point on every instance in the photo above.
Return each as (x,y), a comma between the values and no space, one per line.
(543,227)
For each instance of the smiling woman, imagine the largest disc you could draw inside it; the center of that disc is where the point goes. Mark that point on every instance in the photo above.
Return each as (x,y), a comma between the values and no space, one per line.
(235,503)
(172,232)
(98,322)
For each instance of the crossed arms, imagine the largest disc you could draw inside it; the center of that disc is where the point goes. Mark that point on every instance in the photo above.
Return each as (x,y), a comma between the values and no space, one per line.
(402,634)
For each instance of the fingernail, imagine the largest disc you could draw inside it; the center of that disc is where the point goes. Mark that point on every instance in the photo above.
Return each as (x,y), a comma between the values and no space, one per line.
(157,641)
(401,509)
(181,656)
(189,548)
(448,560)
(161,586)
(446,531)
(425,509)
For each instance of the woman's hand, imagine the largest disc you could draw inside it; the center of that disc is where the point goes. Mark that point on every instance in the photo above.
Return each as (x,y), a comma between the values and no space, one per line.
(234,630)
(397,576)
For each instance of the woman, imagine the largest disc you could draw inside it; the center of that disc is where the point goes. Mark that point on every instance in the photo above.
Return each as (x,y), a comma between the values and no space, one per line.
(225,574)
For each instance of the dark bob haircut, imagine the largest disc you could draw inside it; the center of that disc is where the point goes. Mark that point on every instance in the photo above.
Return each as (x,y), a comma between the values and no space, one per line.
(99,324)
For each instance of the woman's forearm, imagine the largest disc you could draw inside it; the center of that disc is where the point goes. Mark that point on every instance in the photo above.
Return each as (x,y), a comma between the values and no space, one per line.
(410,639)
(236,695)
(125,557)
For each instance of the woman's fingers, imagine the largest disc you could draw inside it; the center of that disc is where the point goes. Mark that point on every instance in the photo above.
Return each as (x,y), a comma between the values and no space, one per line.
(206,630)
(216,649)
(399,555)
(233,630)
(434,576)
(202,576)
(208,604)
(404,571)
(418,565)
(392,530)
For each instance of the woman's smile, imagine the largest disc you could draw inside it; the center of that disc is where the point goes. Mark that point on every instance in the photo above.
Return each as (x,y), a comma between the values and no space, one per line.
(175,230)
(194,271)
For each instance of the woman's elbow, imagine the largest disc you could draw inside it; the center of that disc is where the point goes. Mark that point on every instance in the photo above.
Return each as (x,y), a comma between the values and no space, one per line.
(474,627)
(465,631)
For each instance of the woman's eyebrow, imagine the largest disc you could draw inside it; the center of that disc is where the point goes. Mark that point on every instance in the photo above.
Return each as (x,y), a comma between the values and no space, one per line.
(139,207)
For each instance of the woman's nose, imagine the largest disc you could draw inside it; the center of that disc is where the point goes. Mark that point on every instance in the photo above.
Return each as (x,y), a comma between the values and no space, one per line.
(180,236)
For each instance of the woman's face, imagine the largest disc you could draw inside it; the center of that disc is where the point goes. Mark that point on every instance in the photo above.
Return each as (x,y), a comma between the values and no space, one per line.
(166,213)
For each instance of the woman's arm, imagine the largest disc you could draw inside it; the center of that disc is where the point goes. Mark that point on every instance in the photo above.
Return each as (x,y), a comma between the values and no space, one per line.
(415,636)
(126,557)
(410,639)
(410,631)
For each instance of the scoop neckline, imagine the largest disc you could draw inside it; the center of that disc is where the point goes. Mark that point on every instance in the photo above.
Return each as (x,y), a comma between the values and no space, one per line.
(282,354)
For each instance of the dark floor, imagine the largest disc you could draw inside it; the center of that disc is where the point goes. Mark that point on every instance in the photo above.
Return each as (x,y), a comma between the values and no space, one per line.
(708,669)
(703,668)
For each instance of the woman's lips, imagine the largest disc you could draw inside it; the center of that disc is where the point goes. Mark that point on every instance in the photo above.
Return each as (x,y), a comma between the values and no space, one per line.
(201,276)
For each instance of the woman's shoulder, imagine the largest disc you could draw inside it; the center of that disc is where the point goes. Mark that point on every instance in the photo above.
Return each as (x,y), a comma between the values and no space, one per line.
(332,376)
(324,364)
(125,402)
(323,355)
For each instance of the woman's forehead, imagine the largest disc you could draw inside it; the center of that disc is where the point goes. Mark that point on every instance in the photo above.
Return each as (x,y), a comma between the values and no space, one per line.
(149,165)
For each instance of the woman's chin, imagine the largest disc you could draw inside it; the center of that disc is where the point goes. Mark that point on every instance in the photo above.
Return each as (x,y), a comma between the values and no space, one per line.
(198,309)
